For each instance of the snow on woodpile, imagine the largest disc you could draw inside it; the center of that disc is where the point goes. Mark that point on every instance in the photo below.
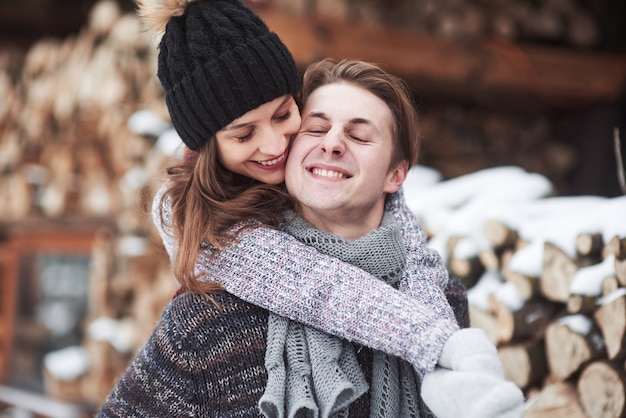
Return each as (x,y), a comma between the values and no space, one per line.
(546,276)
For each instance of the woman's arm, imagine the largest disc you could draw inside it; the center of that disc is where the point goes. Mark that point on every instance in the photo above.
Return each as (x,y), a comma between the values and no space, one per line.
(418,269)
(425,276)
(456,294)
(177,374)
(162,219)
(273,270)
(157,382)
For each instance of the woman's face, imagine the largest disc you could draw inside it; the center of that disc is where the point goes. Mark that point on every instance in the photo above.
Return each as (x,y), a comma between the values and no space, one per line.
(255,144)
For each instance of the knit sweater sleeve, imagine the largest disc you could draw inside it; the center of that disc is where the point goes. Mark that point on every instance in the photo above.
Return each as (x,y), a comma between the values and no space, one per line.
(178,374)
(273,270)
(158,382)
(425,276)
(426,273)
(162,218)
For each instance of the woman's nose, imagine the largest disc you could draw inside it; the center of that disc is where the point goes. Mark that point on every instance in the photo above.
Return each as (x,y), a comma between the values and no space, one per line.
(274,142)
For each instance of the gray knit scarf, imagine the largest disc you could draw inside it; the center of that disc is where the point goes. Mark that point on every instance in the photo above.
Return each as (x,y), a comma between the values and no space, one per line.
(313,374)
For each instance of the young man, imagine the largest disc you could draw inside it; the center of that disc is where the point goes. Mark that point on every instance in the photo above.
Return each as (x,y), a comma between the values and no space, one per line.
(356,142)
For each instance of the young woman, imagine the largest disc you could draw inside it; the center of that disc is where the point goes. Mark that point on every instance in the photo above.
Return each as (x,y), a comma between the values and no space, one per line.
(229,87)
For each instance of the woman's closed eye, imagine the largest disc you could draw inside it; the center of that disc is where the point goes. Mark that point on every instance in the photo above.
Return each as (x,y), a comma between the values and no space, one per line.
(283,116)
(246,136)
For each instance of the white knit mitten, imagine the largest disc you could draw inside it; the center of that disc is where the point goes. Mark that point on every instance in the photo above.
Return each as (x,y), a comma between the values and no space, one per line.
(469,380)
(469,350)
(454,394)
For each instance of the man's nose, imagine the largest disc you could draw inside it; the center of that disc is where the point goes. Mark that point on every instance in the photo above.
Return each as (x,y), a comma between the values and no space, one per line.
(333,143)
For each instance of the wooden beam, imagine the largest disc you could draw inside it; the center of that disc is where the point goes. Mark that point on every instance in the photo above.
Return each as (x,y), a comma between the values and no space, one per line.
(497,70)
(28,404)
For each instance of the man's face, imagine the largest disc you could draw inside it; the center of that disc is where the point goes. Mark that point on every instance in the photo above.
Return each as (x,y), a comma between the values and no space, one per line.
(338,166)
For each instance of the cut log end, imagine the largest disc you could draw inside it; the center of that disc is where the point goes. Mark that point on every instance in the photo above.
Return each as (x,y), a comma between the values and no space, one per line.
(589,244)
(567,351)
(499,234)
(557,274)
(611,319)
(524,364)
(602,390)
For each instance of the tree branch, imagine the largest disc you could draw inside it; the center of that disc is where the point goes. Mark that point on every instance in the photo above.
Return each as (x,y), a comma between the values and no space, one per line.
(620,163)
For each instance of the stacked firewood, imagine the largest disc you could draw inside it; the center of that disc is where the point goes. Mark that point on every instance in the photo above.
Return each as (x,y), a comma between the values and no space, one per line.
(562,22)
(547,282)
(64,138)
(80,122)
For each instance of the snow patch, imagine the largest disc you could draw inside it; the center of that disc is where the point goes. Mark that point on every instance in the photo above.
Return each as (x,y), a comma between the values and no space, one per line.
(528,260)
(68,363)
(478,295)
(587,281)
(579,323)
(115,332)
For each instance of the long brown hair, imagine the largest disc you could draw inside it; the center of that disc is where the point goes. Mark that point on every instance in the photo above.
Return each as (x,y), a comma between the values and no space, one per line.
(208,200)
(389,88)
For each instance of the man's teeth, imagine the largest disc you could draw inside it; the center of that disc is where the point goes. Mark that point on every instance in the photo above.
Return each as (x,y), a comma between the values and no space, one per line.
(274,161)
(327,173)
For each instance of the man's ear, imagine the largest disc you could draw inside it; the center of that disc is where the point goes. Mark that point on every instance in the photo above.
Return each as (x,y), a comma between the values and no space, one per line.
(396,177)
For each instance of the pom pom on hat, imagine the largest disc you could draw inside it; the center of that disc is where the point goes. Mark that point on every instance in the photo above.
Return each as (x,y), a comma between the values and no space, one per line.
(156,13)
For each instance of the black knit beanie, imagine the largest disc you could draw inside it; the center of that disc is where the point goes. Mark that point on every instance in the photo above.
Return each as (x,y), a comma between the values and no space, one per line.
(217,61)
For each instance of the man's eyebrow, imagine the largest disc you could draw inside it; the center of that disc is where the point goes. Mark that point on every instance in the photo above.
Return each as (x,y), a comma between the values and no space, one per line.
(354,121)
(320,115)
(371,126)
(361,121)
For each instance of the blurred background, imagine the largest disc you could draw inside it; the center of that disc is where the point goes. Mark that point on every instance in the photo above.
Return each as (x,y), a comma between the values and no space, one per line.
(535,86)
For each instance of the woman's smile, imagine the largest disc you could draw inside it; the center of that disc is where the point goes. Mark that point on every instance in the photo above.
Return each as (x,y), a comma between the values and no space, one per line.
(273,163)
